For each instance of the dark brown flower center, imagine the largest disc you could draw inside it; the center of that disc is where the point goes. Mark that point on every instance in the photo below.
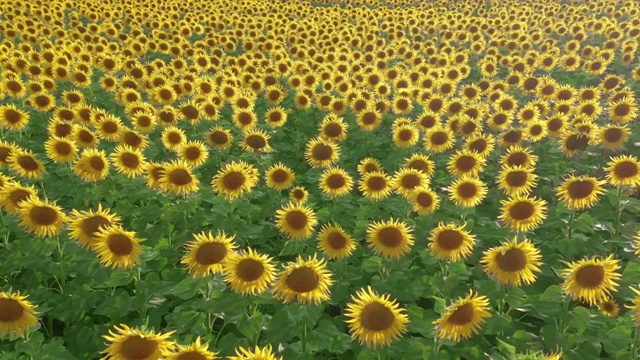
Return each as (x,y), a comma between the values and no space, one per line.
(322,152)
(10,310)
(28,163)
(517,178)
(120,244)
(336,240)
(626,169)
(137,347)
(522,210)
(90,226)
(43,215)
(462,315)
(302,280)
(390,237)
(590,276)
(581,189)
(467,190)
(180,177)
(233,180)
(296,219)
(376,317)
(210,253)
(250,270)
(512,260)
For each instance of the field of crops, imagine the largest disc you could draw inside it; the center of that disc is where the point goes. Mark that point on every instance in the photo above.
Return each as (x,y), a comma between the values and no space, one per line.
(335,179)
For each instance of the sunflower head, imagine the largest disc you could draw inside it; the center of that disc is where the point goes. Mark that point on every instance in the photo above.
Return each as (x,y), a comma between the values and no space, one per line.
(390,239)
(591,279)
(131,343)
(375,320)
(306,280)
(464,318)
(248,272)
(17,315)
(513,263)
(206,253)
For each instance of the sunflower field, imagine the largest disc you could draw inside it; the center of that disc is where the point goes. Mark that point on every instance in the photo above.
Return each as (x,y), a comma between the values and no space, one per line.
(331,179)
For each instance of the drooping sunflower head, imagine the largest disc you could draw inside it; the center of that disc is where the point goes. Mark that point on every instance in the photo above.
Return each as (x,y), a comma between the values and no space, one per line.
(464,318)
(580,192)
(206,253)
(17,315)
(296,221)
(390,239)
(375,320)
(512,263)
(306,280)
(127,343)
(591,279)
(248,272)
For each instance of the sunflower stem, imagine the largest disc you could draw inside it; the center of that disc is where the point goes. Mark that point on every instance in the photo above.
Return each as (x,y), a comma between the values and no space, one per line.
(618,212)
(304,340)
(570,230)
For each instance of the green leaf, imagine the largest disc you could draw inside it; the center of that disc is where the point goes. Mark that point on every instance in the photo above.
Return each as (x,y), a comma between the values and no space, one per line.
(187,288)
(250,326)
(506,348)
(580,319)
(616,339)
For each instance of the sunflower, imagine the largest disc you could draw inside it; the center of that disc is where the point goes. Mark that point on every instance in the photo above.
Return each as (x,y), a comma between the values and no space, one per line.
(623,171)
(464,318)
(173,138)
(405,136)
(451,242)
(320,153)
(422,163)
(276,116)
(41,218)
(406,180)
(375,320)
(128,161)
(219,138)
(580,192)
(513,262)
(13,87)
(244,119)
(248,272)
(84,137)
(636,306)
(17,315)
(517,180)
(424,201)
(206,254)
(335,182)
(390,239)
(256,141)
(42,101)
(133,139)
(500,121)
(85,225)
(369,118)
(523,213)
(439,139)
(116,247)
(60,150)
(234,179)
(465,163)
(333,128)
(369,165)
(177,177)
(591,279)
(73,97)
(306,280)
(613,137)
(195,351)
(375,185)
(92,165)
(335,242)
(296,221)
(467,191)
(193,152)
(132,344)
(623,110)
(12,118)
(25,163)
(518,156)
(279,176)
(609,307)
(298,195)
(14,194)
(265,353)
